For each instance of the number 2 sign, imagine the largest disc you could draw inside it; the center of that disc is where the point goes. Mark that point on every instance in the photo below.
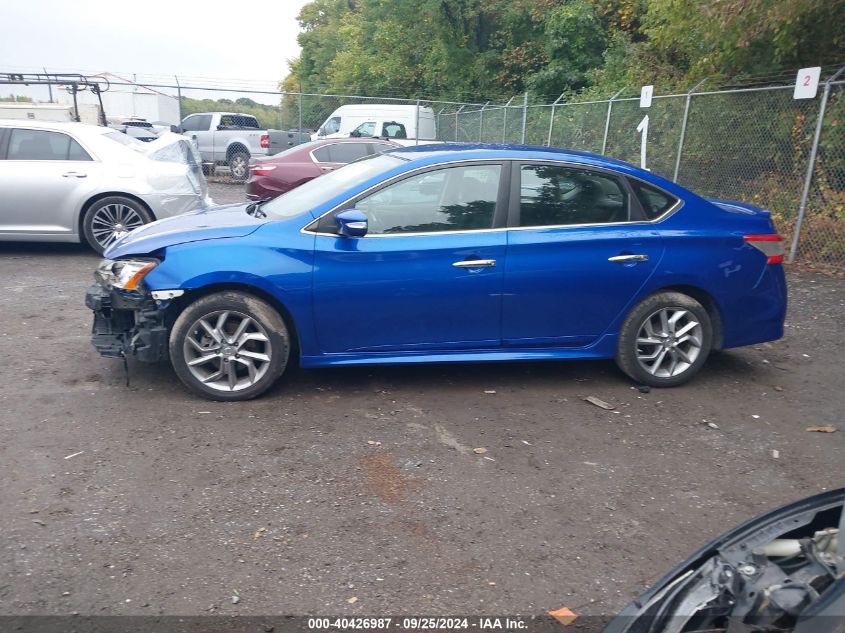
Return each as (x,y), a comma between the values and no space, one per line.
(807,83)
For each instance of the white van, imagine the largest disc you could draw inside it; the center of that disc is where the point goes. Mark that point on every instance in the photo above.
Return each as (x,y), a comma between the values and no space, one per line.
(379,119)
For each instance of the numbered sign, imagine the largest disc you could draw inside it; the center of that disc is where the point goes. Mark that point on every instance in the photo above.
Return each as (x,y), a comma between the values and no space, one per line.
(807,83)
(646,93)
(642,128)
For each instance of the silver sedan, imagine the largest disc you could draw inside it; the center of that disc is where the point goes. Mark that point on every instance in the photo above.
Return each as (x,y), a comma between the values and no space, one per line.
(71,182)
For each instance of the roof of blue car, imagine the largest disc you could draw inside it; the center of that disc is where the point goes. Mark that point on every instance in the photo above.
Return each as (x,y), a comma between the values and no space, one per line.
(450,151)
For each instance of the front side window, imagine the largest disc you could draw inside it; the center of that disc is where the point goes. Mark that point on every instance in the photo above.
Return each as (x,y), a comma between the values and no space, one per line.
(44,145)
(189,124)
(451,199)
(553,195)
(332,125)
(365,129)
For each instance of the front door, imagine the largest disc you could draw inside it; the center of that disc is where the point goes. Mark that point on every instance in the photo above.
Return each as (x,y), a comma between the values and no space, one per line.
(428,274)
(44,179)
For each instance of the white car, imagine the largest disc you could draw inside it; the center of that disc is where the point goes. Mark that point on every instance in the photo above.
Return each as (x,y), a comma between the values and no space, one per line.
(72,182)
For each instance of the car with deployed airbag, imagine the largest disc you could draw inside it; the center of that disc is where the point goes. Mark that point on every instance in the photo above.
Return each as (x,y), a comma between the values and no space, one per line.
(446,253)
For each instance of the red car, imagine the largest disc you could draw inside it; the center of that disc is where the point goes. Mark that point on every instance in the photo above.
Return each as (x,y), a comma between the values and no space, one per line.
(271,176)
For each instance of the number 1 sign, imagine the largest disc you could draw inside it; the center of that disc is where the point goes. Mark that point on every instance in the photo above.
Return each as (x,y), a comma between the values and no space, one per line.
(807,83)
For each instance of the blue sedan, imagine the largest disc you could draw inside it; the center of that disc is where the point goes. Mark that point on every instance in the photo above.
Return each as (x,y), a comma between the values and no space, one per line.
(446,253)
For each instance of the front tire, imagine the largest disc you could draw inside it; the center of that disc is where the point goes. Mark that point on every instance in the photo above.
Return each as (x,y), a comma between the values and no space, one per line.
(665,340)
(239,166)
(229,346)
(109,219)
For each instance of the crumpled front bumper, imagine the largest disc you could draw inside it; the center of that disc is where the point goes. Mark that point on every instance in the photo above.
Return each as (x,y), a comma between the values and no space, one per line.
(126,324)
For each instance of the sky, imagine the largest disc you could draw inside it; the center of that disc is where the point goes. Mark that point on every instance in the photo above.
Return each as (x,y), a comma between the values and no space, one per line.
(241,41)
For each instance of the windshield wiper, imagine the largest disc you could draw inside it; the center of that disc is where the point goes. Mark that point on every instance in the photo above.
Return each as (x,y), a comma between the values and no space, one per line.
(254,208)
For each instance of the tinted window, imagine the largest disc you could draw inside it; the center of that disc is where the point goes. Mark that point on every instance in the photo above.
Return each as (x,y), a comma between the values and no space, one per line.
(553,195)
(44,145)
(203,122)
(322,154)
(654,201)
(347,152)
(453,199)
(189,124)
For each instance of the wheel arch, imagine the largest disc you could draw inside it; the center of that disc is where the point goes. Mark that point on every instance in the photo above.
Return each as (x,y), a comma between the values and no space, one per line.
(107,194)
(236,147)
(190,296)
(709,304)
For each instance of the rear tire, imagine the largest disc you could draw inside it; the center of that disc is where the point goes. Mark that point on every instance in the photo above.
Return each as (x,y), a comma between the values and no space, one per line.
(110,218)
(239,166)
(229,346)
(665,340)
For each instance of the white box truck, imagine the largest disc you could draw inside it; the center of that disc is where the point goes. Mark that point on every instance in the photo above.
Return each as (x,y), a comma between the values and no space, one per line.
(379,120)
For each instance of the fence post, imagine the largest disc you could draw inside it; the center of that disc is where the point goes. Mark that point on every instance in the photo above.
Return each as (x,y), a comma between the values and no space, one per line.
(178,97)
(481,123)
(299,116)
(417,124)
(805,194)
(505,119)
(524,117)
(684,129)
(552,120)
(439,128)
(607,122)
(457,112)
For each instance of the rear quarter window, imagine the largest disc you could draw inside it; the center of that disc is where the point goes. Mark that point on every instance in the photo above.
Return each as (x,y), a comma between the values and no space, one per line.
(655,202)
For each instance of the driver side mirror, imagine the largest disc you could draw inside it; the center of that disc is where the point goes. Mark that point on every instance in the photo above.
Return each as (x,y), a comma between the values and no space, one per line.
(351,223)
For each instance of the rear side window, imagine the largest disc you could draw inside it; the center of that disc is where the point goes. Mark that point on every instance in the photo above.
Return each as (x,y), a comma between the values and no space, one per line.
(347,152)
(653,201)
(321,154)
(552,195)
(394,130)
(44,145)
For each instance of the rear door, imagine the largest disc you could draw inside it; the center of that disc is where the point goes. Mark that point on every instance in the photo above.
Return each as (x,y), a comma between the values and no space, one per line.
(45,176)
(579,250)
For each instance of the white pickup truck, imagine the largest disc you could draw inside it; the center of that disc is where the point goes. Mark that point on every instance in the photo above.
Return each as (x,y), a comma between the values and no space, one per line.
(231,138)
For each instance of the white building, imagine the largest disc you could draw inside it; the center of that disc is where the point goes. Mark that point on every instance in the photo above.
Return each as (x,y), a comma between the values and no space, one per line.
(127,99)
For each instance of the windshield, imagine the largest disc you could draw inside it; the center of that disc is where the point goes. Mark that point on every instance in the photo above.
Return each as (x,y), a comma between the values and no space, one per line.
(320,190)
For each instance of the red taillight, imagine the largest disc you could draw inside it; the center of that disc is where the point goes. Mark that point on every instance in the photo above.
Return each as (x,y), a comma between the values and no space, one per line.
(261,170)
(771,245)
(265,141)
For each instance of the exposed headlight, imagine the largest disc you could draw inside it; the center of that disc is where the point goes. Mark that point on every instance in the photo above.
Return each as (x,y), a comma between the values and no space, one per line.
(124,274)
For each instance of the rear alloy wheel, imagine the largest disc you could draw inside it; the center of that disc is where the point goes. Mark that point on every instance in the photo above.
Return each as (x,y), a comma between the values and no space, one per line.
(229,346)
(665,340)
(239,166)
(109,219)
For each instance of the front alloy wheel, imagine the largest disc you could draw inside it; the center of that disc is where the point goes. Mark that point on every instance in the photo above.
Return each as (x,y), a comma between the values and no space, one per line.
(109,219)
(665,340)
(229,346)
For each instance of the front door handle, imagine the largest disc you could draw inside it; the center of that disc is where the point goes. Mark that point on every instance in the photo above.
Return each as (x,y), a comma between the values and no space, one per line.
(628,258)
(74,174)
(475,263)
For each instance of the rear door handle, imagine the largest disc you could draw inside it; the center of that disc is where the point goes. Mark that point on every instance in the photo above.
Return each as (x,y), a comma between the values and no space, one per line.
(475,263)
(628,258)
(74,174)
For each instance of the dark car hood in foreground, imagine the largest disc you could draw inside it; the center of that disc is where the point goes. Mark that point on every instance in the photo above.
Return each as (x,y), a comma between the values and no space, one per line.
(230,220)
(661,609)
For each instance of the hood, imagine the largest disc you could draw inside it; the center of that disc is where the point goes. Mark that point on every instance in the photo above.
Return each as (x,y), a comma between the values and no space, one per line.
(230,220)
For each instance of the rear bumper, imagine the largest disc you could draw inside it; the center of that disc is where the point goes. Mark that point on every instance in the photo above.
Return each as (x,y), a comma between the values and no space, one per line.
(126,325)
(758,316)
(166,205)
(262,188)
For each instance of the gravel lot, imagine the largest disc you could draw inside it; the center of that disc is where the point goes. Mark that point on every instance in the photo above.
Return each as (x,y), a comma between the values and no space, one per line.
(147,500)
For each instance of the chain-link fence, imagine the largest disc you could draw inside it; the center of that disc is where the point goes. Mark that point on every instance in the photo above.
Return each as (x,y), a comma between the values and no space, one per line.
(754,143)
